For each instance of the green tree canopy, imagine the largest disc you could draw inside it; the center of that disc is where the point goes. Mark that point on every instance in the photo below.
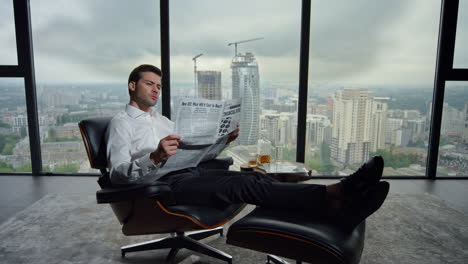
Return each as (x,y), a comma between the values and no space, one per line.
(395,161)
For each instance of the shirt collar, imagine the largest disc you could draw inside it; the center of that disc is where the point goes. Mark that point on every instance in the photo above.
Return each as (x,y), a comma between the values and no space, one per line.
(136,113)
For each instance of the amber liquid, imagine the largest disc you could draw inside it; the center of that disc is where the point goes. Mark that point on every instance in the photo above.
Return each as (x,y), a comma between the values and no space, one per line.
(263,159)
(252,163)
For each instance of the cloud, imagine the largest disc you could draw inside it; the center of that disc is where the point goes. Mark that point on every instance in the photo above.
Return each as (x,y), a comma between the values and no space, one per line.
(208,26)
(460,59)
(107,40)
(7,34)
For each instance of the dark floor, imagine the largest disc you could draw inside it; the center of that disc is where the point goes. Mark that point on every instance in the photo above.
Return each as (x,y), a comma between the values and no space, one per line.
(18,192)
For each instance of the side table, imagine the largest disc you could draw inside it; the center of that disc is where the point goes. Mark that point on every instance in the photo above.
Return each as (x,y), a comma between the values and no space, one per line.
(283,170)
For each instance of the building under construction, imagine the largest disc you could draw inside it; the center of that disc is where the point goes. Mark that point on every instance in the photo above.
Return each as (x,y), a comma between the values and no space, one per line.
(209,84)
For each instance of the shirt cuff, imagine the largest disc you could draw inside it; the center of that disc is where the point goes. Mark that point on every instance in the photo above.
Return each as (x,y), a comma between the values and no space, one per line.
(147,164)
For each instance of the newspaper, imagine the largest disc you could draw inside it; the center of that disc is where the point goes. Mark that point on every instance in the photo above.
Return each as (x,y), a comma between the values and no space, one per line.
(204,126)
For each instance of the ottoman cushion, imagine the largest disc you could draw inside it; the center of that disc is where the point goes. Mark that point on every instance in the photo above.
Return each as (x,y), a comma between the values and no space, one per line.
(297,236)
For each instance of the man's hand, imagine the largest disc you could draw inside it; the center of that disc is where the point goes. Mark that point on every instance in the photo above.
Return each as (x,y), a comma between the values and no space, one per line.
(166,148)
(233,135)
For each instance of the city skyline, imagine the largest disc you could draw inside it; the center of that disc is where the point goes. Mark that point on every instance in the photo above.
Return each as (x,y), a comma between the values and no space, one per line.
(406,132)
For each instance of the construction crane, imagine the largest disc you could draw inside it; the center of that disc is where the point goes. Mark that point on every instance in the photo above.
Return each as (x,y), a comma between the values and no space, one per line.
(195,70)
(242,41)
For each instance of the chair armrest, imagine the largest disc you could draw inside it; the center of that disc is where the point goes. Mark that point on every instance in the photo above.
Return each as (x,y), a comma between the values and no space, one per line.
(217,164)
(157,191)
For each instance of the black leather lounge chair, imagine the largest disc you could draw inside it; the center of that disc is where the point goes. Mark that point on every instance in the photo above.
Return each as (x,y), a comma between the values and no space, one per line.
(147,209)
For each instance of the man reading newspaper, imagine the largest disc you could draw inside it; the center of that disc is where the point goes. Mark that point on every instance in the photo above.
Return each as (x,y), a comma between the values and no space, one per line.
(141,142)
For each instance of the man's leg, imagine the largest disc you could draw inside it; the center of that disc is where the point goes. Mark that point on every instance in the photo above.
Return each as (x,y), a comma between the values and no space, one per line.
(351,200)
(217,187)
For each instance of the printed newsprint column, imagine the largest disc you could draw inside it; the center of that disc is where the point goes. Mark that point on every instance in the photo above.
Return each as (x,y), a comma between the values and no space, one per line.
(231,117)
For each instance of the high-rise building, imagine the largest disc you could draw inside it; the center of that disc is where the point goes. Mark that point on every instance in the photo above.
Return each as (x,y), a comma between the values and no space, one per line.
(465,128)
(401,131)
(209,84)
(279,128)
(452,121)
(378,125)
(401,137)
(322,109)
(318,130)
(288,129)
(246,85)
(417,128)
(411,114)
(270,124)
(393,124)
(352,118)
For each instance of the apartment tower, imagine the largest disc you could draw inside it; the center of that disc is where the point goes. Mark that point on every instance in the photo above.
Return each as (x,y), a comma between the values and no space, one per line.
(245,85)
(209,84)
(351,137)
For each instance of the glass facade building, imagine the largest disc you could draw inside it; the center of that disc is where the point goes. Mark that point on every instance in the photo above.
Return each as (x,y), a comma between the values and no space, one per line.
(246,86)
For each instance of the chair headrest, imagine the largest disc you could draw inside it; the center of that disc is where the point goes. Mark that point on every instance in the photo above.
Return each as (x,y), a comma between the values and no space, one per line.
(93,131)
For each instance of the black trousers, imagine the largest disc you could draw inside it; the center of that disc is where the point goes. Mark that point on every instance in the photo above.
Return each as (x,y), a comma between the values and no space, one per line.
(200,186)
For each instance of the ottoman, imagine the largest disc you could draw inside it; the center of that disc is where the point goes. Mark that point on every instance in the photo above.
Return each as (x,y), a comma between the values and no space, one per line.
(297,236)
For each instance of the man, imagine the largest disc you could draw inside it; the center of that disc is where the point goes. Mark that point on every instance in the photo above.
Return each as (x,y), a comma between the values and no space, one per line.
(140,140)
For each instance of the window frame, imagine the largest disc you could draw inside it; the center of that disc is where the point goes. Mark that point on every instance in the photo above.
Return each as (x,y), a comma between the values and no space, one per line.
(444,72)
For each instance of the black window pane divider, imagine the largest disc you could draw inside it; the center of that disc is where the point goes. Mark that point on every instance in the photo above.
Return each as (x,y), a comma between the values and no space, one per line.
(25,70)
(303,81)
(165,58)
(457,75)
(10,71)
(444,72)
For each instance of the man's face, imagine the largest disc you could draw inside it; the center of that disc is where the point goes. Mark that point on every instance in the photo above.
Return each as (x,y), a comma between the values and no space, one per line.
(147,91)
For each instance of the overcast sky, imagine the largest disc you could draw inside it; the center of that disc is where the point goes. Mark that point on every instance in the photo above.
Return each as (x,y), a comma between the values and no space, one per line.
(353,43)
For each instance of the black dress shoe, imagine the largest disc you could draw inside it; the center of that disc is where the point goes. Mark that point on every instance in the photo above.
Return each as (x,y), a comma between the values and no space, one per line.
(357,210)
(367,175)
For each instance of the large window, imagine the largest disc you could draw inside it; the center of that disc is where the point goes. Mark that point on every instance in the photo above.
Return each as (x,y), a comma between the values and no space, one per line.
(460,59)
(371,77)
(14,141)
(370,84)
(263,72)
(84,52)
(453,146)
(7,34)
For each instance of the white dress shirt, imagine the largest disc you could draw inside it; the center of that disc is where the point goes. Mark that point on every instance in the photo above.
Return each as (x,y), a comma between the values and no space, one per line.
(131,137)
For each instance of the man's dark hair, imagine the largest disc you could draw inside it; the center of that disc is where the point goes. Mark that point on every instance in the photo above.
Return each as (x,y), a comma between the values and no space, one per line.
(135,75)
